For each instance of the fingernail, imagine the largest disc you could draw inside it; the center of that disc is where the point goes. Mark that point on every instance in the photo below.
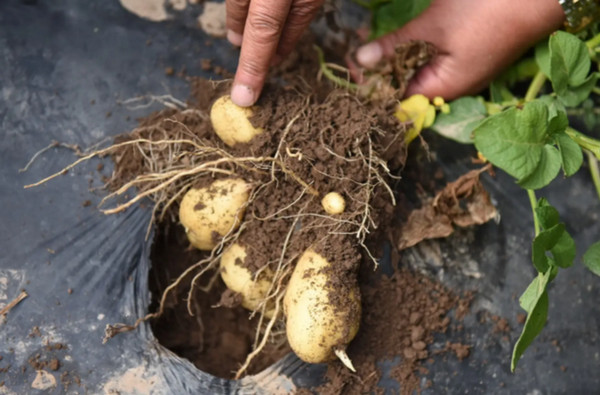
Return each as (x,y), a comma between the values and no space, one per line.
(369,55)
(234,38)
(242,95)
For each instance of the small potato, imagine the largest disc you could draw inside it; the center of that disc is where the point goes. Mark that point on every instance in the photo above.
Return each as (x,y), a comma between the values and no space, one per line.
(239,279)
(318,327)
(231,122)
(333,203)
(212,211)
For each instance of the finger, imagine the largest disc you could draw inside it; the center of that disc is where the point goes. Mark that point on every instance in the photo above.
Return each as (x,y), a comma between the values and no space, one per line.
(237,11)
(300,15)
(262,31)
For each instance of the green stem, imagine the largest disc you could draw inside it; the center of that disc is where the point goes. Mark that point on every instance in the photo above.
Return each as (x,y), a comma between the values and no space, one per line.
(536,85)
(584,141)
(596,90)
(327,72)
(533,202)
(593,42)
(595,171)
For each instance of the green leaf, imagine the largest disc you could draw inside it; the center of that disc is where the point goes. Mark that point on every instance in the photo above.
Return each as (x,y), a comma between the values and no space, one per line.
(558,122)
(394,14)
(569,61)
(514,140)
(542,57)
(591,258)
(543,242)
(529,297)
(534,324)
(535,302)
(571,155)
(564,251)
(465,114)
(572,96)
(547,215)
(546,171)
(554,105)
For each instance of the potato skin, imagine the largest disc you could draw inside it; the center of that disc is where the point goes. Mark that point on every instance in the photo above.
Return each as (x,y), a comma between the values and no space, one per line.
(239,279)
(231,122)
(333,203)
(218,208)
(316,326)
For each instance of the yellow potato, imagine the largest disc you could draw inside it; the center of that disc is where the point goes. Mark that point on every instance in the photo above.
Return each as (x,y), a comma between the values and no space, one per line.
(333,203)
(231,122)
(318,329)
(239,279)
(211,211)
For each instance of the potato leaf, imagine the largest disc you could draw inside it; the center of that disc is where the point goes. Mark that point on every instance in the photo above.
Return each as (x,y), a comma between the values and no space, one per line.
(591,258)
(514,139)
(571,156)
(563,252)
(546,170)
(569,68)
(547,215)
(558,122)
(391,15)
(465,114)
(543,242)
(569,61)
(554,105)
(572,96)
(535,302)
(534,324)
(554,238)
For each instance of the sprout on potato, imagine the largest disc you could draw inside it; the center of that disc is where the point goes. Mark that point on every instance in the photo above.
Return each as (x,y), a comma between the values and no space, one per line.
(318,329)
(239,279)
(333,203)
(213,211)
(231,122)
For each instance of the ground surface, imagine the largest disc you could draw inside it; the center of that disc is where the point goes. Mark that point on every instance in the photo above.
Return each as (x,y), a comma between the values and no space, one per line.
(56,59)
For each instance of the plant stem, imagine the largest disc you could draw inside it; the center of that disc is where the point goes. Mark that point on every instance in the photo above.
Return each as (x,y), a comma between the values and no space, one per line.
(536,85)
(595,171)
(584,141)
(330,75)
(533,202)
(593,42)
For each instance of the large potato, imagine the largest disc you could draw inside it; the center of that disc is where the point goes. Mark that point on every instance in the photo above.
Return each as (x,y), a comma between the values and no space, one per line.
(239,279)
(231,122)
(322,318)
(213,211)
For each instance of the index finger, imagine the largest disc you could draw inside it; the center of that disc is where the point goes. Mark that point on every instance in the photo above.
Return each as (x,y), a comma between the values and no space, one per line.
(262,32)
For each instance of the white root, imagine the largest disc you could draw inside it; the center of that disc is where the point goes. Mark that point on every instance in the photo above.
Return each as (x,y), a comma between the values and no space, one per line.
(341,354)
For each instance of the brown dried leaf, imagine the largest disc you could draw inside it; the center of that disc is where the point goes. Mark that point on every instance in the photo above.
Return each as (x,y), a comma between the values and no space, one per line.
(463,202)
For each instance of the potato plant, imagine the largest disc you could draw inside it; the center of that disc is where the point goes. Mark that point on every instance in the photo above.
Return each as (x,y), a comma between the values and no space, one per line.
(528,136)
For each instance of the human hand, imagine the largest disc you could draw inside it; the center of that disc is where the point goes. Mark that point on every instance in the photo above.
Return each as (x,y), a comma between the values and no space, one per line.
(475,41)
(267,31)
